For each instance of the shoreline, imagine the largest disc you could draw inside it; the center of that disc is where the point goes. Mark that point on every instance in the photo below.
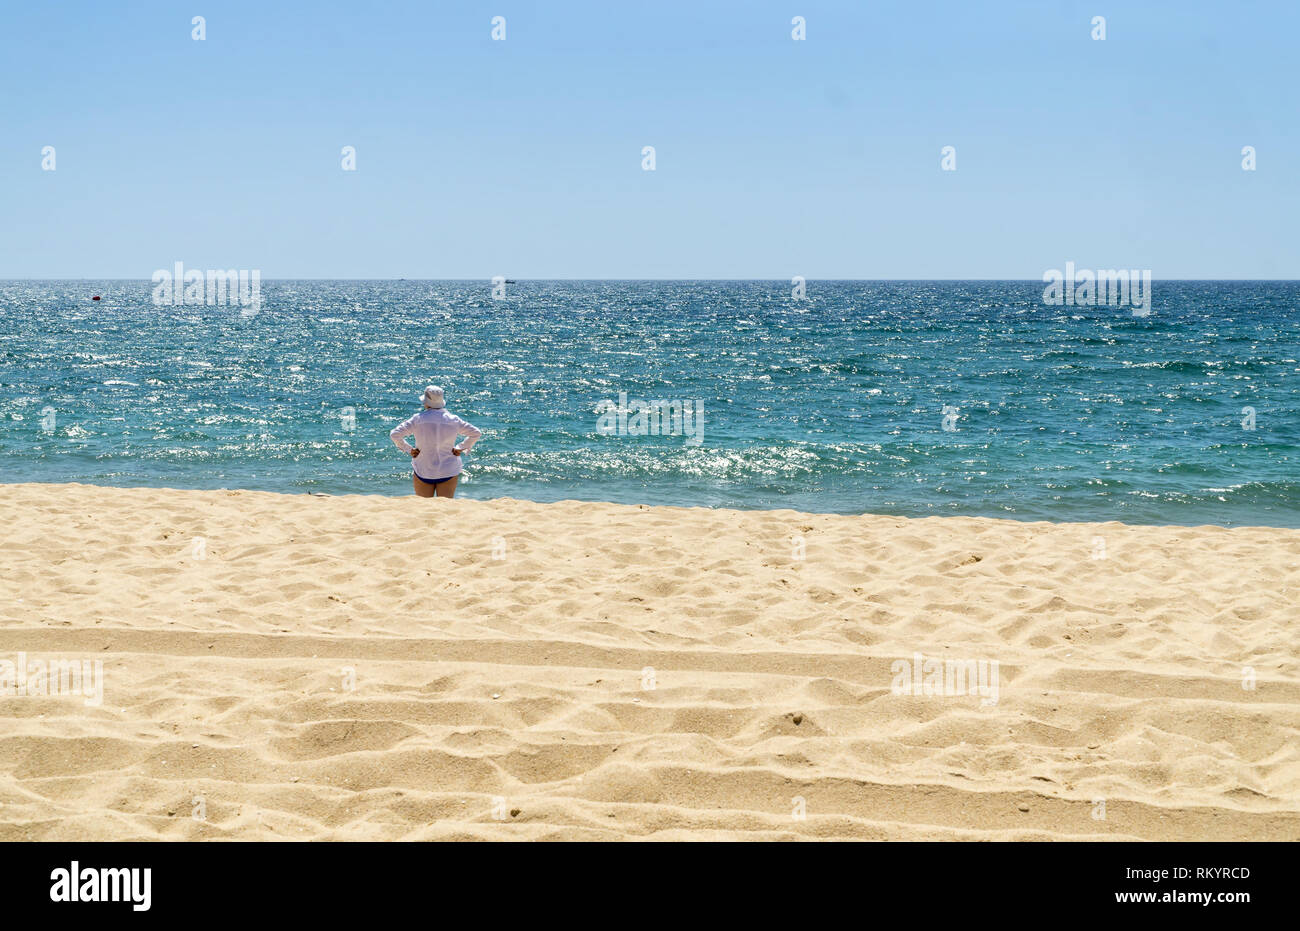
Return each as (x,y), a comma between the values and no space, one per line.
(404,494)
(360,667)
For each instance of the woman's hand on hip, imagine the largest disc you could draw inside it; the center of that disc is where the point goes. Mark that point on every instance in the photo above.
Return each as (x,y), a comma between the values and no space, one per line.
(456,450)
(415,452)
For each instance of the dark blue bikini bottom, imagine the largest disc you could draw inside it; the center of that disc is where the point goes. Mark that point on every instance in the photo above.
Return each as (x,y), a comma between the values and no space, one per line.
(435,482)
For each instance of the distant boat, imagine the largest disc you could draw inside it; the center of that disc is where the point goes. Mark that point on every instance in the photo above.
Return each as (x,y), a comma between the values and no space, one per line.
(510,281)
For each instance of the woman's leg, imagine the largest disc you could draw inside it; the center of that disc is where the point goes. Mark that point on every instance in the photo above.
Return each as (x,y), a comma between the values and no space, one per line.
(422,489)
(447,489)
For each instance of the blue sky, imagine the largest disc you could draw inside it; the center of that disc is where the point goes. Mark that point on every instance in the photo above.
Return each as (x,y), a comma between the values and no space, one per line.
(774,157)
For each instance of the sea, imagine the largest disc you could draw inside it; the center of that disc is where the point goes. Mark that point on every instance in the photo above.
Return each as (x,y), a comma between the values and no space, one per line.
(911,398)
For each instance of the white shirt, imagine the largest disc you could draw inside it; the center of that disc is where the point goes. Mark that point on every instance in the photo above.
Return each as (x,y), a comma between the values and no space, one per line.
(435,432)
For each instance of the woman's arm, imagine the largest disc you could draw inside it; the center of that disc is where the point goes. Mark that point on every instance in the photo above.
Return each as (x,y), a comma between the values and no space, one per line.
(399,434)
(472,433)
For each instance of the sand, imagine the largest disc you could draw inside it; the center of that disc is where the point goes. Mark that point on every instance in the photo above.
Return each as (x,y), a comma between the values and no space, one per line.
(363,668)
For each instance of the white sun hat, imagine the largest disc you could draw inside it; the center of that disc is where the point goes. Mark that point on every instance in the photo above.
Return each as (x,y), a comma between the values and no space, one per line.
(432,397)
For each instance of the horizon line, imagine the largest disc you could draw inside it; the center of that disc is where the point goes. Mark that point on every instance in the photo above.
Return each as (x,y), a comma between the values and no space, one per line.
(519,280)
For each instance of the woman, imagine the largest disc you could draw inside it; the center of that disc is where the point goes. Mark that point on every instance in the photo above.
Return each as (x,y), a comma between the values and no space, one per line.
(436,455)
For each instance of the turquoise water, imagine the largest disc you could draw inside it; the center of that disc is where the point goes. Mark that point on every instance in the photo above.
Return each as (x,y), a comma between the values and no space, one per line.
(834,403)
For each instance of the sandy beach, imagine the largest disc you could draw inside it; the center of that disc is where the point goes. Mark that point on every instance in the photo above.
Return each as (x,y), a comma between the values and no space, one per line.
(367,668)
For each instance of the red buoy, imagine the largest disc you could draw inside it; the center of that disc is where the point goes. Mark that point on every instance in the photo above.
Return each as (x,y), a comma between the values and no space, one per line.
(95,298)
